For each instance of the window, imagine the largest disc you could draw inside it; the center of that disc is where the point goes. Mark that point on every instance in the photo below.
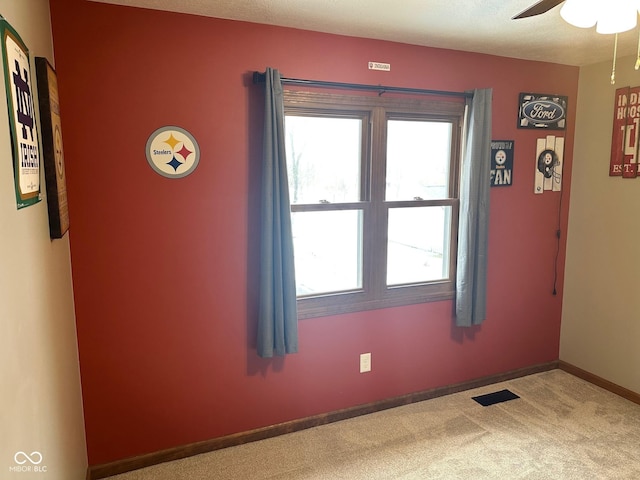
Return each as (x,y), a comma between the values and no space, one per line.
(373,184)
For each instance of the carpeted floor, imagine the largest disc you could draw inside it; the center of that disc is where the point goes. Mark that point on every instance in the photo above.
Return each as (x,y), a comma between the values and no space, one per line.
(561,427)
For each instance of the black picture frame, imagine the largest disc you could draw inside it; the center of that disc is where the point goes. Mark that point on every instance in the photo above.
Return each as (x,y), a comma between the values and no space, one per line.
(52,148)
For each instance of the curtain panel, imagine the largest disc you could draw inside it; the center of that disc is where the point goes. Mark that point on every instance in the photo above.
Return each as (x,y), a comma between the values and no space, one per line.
(278,314)
(473,228)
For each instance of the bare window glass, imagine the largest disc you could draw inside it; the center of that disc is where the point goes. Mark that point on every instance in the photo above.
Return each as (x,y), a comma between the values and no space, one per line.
(323,159)
(328,251)
(418,245)
(418,159)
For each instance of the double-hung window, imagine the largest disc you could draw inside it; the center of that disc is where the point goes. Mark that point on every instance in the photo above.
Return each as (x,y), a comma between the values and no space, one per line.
(373,184)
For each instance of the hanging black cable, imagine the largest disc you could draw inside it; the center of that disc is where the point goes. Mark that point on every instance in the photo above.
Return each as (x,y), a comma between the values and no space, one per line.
(558,236)
(259,77)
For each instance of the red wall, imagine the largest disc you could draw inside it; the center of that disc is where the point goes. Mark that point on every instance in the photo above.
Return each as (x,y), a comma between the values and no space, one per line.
(165,270)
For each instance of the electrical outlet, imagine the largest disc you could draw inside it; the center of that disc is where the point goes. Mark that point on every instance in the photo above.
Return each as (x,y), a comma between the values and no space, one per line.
(365,362)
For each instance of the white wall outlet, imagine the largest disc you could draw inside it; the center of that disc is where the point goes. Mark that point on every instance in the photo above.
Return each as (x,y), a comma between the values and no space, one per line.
(365,362)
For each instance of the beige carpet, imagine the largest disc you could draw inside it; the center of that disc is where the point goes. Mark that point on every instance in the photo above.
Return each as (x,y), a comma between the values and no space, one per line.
(561,428)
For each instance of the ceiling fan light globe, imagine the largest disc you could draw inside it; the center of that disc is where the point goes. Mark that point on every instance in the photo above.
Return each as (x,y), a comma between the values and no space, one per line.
(618,16)
(580,13)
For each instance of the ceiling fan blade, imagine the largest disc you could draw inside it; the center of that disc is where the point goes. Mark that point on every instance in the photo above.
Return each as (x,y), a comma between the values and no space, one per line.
(538,8)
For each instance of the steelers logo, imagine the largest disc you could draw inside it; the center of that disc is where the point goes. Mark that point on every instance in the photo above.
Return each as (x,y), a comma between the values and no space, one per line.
(547,161)
(57,152)
(172,152)
(501,157)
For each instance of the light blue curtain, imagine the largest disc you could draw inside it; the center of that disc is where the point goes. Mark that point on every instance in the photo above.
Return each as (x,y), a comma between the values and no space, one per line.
(473,229)
(278,314)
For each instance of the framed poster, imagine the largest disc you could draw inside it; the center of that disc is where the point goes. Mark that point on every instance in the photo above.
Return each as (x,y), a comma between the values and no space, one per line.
(22,124)
(52,151)
(542,111)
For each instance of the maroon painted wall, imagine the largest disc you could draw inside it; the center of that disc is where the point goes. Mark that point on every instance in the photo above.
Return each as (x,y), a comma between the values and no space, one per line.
(165,270)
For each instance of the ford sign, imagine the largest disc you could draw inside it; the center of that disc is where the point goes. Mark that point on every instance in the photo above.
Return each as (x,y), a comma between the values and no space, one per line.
(542,111)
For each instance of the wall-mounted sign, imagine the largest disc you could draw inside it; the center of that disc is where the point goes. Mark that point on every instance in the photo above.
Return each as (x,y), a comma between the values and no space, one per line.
(52,151)
(172,152)
(542,111)
(22,123)
(549,159)
(501,163)
(624,139)
(385,67)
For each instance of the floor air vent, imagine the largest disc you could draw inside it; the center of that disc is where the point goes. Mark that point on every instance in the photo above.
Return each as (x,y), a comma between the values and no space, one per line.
(495,397)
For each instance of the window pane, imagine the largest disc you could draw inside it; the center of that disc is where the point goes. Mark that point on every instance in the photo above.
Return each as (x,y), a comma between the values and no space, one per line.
(418,244)
(418,156)
(323,159)
(328,251)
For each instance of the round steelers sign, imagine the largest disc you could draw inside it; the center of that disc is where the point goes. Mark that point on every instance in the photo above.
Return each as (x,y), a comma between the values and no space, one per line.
(172,152)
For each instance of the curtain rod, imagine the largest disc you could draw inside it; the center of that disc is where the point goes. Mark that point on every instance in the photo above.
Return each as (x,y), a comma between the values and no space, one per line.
(259,77)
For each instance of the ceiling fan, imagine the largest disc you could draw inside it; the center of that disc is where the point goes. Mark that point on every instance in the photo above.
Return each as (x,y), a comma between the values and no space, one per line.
(608,16)
(538,8)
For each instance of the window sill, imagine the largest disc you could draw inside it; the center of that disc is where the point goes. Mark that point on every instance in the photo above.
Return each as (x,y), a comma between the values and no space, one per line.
(330,305)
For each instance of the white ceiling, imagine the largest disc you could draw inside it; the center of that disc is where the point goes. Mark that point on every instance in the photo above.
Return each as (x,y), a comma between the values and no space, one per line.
(483,26)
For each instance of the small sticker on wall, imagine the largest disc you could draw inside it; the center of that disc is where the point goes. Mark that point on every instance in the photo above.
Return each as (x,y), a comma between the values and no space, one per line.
(385,67)
(172,152)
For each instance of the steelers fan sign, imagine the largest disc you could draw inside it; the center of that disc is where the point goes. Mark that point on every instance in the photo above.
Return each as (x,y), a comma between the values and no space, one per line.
(501,163)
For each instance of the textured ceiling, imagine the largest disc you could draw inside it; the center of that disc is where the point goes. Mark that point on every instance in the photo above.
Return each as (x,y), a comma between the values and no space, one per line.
(483,26)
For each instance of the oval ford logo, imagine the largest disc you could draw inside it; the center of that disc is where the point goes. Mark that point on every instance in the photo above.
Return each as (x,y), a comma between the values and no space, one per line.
(543,111)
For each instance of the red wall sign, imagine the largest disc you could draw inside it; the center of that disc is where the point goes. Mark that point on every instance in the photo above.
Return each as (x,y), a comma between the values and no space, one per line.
(624,141)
